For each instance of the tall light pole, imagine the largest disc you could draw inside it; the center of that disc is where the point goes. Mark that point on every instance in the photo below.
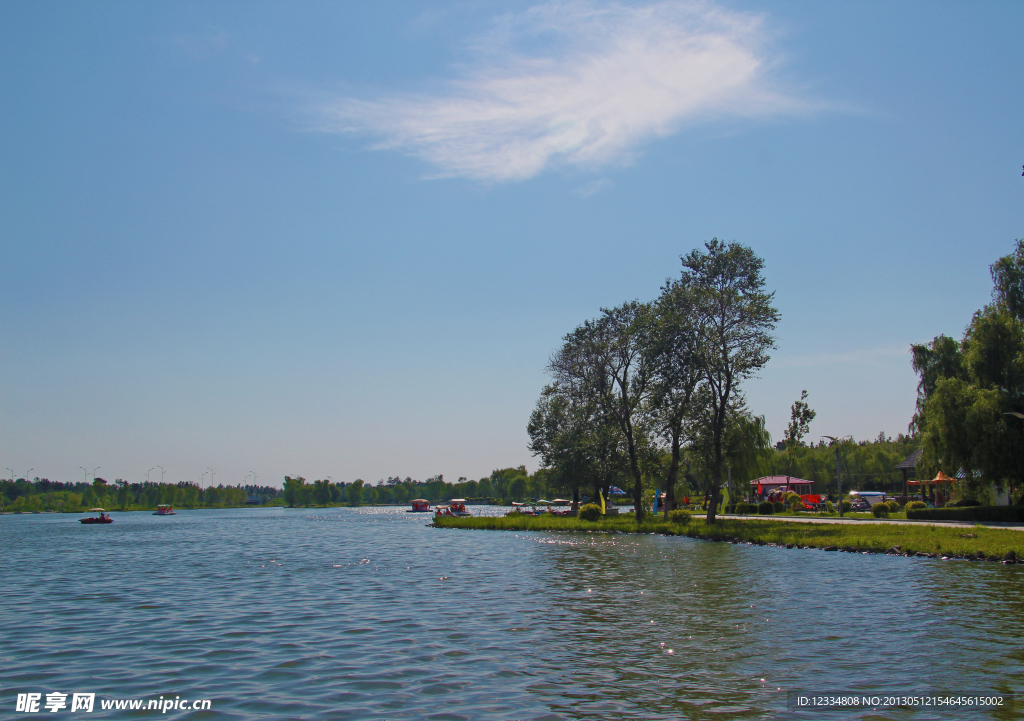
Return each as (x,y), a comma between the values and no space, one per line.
(161,474)
(94,473)
(27,472)
(254,477)
(211,475)
(12,474)
(202,477)
(839,479)
(147,474)
(1009,497)
(85,475)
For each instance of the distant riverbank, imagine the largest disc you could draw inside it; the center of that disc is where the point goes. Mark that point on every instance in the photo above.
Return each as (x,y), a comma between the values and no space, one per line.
(935,541)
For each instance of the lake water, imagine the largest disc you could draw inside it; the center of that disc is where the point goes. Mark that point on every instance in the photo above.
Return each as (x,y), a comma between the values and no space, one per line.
(370,614)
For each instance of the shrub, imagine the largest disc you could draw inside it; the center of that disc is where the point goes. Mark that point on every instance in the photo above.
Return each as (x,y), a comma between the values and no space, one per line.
(894,506)
(847,506)
(590,512)
(969,513)
(912,505)
(829,507)
(965,503)
(779,506)
(880,510)
(766,508)
(743,507)
(679,516)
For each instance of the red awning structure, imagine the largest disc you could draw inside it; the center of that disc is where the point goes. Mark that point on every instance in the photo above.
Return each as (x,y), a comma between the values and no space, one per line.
(769,483)
(939,478)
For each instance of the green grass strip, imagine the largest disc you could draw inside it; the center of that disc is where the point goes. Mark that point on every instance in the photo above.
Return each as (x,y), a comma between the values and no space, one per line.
(957,542)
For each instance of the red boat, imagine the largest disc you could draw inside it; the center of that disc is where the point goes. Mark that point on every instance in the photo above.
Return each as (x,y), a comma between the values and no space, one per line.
(420,505)
(102,518)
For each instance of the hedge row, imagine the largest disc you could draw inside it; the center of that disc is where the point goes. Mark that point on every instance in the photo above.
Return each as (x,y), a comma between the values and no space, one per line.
(969,513)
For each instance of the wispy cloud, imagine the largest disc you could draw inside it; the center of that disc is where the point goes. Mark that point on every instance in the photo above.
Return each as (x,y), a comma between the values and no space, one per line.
(575,83)
(594,186)
(859,355)
(202,46)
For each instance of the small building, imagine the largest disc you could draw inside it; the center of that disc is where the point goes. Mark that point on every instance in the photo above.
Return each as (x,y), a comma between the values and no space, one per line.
(770,484)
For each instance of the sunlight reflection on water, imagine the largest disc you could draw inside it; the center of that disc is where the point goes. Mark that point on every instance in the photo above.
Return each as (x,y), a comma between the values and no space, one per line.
(369,614)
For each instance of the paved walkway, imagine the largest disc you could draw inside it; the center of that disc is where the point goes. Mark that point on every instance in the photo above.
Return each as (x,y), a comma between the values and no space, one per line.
(836,519)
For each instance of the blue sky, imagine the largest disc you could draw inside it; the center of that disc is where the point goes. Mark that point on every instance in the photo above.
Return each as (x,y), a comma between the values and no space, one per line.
(342,239)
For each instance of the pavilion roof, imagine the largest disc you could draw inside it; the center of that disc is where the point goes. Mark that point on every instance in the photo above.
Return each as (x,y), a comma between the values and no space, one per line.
(910,461)
(780,481)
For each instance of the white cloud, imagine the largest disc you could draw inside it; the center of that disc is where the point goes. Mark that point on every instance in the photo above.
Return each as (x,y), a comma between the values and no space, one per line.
(575,83)
(594,186)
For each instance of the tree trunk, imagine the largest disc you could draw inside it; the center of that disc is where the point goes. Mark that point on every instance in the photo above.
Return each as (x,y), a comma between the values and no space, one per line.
(673,473)
(716,473)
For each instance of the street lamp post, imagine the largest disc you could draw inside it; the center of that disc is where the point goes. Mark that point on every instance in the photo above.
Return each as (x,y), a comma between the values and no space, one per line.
(211,475)
(85,475)
(27,472)
(202,478)
(161,474)
(839,478)
(94,473)
(147,475)
(1009,497)
(12,474)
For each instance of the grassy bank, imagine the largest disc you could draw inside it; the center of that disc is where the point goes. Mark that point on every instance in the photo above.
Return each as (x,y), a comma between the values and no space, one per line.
(876,538)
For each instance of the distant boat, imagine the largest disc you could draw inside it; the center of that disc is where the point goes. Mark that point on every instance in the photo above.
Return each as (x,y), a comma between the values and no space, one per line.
(419,505)
(455,507)
(164,509)
(102,518)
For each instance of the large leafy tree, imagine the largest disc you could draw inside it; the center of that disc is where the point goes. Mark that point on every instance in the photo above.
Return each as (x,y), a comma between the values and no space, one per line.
(731,297)
(604,361)
(967,388)
(676,351)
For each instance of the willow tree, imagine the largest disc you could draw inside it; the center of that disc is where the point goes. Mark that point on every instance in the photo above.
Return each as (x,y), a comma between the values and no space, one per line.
(730,296)
(968,388)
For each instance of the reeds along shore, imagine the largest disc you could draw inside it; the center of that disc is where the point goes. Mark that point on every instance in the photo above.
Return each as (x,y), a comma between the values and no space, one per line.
(975,543)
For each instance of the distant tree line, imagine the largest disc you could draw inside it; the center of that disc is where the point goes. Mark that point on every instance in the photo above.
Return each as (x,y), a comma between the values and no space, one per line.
(42,494)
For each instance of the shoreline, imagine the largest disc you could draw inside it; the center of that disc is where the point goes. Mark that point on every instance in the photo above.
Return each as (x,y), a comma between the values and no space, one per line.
(906,539)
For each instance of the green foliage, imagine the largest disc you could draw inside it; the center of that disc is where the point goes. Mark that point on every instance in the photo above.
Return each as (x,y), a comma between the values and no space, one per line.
(984,514)
(590,512)
(894,506)
(847,505)
(679,516)
(967,388)
(294,490)
(766,508)
(829,507)
(800,419)
(913,505)
(779,506)
(880,510)
(964,503)
(744,508)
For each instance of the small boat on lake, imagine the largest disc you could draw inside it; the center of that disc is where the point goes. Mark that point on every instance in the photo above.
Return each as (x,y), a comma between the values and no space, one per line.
(455,507)
(102,518)
(458,507)
(521,510)
(164,509)
(419,505)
